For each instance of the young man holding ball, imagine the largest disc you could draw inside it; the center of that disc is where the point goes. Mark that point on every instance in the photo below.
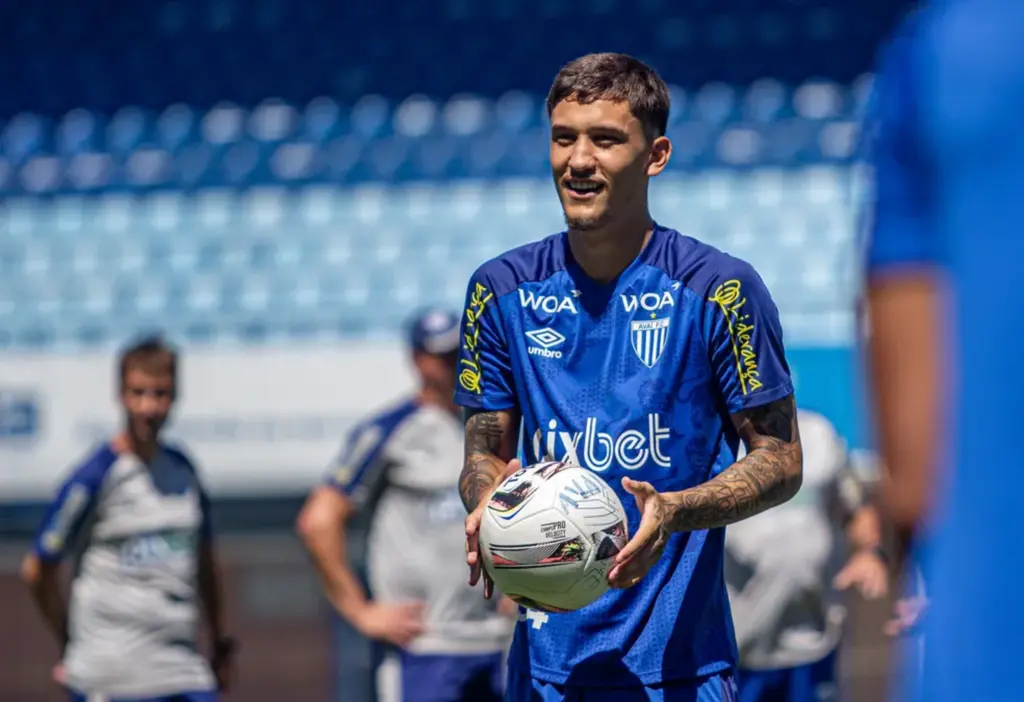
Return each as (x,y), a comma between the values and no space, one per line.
(645,356)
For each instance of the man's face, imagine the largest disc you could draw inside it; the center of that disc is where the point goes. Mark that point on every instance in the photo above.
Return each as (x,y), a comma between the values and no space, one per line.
(147,399)
(601,161)
(437,370)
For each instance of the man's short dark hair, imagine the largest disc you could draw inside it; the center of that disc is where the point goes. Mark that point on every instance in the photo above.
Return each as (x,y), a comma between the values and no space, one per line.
(151,354)
(616,77)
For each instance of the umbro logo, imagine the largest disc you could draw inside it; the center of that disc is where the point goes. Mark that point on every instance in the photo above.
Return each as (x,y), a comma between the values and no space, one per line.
(545,339)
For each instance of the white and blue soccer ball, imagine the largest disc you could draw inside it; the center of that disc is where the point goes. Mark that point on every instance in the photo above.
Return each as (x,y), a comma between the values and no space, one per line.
(549,536)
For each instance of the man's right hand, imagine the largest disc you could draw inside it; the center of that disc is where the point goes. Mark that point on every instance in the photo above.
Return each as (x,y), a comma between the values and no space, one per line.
(397,624)
(473,557)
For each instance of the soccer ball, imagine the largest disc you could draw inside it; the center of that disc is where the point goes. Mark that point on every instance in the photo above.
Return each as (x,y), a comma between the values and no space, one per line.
(549,535)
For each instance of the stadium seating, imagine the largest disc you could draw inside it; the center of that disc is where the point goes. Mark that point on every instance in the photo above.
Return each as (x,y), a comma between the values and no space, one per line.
(150,181)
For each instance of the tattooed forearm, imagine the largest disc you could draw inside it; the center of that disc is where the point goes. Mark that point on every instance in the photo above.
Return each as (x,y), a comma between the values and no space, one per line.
(478,477)
(767,476)
(759,481)
(490,437)
(483,433)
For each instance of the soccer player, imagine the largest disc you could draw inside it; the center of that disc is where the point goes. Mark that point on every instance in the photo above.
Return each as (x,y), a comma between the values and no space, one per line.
(135,518)
(401,465)
(782,570)
(645,356)
(946,305)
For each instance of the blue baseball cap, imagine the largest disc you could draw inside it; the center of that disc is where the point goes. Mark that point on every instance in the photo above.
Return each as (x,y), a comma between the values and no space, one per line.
(435,331)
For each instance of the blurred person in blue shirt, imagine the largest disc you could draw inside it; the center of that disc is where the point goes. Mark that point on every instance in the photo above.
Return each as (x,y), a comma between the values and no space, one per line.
(400,467)
(645,356)
(946,310)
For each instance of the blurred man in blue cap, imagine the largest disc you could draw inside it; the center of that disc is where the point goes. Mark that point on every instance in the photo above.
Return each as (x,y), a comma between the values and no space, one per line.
(399,471)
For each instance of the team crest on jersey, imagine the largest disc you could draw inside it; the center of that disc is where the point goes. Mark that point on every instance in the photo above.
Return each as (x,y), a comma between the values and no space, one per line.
(648,338)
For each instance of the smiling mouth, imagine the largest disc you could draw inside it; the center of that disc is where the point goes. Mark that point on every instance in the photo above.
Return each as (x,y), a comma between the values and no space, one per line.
(583,189)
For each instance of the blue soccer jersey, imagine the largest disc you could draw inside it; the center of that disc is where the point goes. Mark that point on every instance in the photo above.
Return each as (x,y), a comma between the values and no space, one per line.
(634,378)
(947,149)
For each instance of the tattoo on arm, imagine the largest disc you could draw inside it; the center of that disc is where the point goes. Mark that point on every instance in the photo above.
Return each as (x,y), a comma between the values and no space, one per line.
(768,475)
(490,437)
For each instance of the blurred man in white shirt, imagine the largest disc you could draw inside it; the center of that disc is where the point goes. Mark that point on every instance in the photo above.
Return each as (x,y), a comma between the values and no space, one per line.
(784,567)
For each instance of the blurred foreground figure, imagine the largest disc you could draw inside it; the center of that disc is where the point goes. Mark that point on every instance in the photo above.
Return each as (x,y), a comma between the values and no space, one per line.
(946,306)
(446,643)
(135,517)
(782,569)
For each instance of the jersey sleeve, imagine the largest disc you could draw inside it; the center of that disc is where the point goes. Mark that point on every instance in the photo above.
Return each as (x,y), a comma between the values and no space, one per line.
(485,380)
(205,509)
(827,454)
(206,527)
(848,490)
(359,461)
(896,208)
(68,513)
(849,493)
(744,336)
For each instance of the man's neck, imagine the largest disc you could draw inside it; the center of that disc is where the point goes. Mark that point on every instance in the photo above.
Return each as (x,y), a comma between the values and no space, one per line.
(605,253)
(126,443)
(430,396)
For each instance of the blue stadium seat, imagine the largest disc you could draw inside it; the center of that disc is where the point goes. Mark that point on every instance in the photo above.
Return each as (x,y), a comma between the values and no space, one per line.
(252,172)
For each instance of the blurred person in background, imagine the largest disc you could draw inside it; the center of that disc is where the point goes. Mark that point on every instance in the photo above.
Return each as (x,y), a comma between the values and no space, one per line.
(135,518)
(783,568)
(946,310)
(402,465)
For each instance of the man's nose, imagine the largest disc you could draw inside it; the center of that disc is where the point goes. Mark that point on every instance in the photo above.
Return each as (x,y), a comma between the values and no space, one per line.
(581,160)
(150,405)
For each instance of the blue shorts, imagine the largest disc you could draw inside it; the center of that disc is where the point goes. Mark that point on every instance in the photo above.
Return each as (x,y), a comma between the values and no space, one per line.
(715,688)
(814,682)
(205,696)
(407,677)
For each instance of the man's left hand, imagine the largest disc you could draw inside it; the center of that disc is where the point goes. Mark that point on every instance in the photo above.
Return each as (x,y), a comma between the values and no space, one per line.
(907,616)
(644,549)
